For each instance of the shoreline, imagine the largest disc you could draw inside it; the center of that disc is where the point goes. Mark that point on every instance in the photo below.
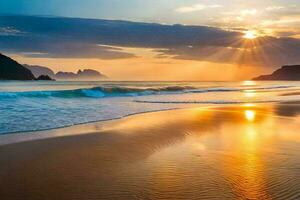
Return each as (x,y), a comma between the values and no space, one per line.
(93,126)
(96,126)
(242,152)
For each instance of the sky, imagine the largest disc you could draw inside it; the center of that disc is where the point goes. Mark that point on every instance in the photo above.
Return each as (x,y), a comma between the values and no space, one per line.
(241,38)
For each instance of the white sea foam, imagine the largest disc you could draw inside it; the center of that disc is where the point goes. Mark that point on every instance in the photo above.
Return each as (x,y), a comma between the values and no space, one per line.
(31,106)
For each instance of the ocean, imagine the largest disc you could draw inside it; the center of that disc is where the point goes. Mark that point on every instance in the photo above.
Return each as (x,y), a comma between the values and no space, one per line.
(34,106)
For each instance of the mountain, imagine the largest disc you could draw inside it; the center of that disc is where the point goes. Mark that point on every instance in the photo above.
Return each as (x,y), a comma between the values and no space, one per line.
(285,73)
(86,74)
(65,75)
(40,70)
(89,73)
(12,70)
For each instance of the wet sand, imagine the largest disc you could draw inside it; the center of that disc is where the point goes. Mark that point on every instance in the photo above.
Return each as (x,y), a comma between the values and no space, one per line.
(233,152)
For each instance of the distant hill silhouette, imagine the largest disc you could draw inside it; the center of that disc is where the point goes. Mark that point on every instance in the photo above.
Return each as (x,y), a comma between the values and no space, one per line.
(40,70)
(12,70)
(65,75)
(86,74)
(44,78)
(285,73)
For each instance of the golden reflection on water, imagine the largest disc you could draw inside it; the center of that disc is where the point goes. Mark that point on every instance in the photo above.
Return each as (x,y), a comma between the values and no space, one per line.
(248,105)
(249,93)
(249,83)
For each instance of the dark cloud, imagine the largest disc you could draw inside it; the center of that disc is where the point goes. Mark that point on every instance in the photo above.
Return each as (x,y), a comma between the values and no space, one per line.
(55,37)
(266,51)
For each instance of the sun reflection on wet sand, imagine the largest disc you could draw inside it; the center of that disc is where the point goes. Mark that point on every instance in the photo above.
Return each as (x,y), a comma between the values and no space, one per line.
(233,152)
(244,168)
(250,115)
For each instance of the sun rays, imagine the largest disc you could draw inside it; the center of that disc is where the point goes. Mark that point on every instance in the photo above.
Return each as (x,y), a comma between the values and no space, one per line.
(251,48)
(250,35)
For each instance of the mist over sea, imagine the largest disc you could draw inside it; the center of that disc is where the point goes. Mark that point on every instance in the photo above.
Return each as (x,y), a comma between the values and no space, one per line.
(33,106)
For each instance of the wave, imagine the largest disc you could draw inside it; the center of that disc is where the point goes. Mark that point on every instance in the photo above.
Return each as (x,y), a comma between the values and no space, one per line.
(121,91)
(98,92)
(207,102)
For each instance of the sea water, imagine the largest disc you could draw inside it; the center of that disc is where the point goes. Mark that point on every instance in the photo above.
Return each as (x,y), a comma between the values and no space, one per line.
(32,105)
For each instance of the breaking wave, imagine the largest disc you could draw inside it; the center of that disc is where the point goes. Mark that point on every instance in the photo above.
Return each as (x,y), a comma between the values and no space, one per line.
(121,91)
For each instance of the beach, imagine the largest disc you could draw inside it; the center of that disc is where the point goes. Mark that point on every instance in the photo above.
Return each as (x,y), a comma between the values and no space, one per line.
(149,100)
(243,151)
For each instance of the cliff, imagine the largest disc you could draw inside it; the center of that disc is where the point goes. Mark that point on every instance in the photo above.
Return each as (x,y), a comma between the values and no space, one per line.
(285,73)
(12,70)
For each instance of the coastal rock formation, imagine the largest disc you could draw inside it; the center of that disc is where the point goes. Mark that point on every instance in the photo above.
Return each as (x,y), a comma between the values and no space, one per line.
(89,73)
(285,73)
(86,74)
(40,70)
(12,70)
(65,75)
(44,78)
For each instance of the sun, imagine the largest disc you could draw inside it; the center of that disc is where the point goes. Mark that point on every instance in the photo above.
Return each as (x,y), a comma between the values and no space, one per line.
(250,35)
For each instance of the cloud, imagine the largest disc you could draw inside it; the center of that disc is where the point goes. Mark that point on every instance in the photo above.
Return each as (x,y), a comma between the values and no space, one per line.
(272,8)
(247,12)
(282,11)
(54,37)
(196,7)
(270,52)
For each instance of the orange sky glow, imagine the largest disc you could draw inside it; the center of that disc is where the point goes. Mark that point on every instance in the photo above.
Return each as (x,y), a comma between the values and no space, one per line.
(147,66)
